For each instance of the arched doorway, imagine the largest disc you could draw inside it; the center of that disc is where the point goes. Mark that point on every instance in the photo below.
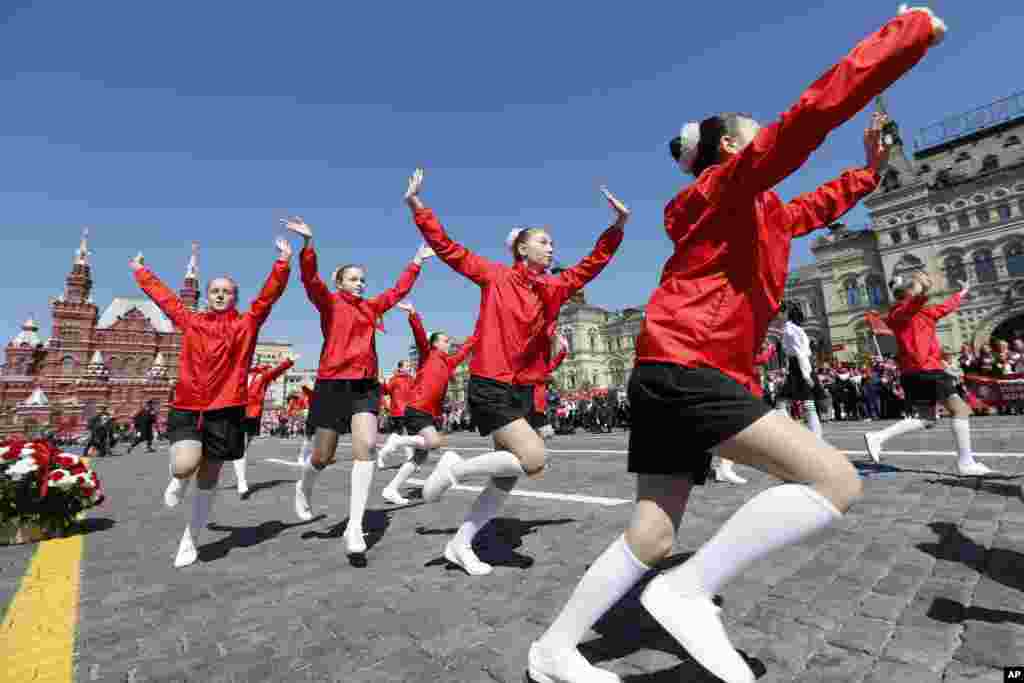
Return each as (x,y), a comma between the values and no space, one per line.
(1011,328)
(1004,324)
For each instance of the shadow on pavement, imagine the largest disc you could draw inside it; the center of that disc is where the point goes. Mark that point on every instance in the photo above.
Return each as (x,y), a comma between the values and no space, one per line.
(93,524)
(244,537)
(628,628)
(496,542)
(999,564)
(261,485)
(986,484)
(952,612)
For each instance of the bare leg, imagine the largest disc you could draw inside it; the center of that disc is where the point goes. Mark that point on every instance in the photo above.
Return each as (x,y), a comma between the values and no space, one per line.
(185,458)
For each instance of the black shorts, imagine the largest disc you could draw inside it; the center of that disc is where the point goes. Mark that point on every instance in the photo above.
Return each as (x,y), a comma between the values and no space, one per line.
(251,426)
(417,420)
(335,401)
(495,404)
(220,432)
(701,404)
(928,386)
(538,420)
(396,423)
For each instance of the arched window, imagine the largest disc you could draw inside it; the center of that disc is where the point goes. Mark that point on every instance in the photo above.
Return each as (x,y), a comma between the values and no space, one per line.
(990,163)
(852,293)
(572,379)
(912,233)
(944,225)
(875,295)
(891,180)
(1015,259)
(955,271)
(569,338)
(896,237)
(984,266)
(67,365)
(983,215)
(1011,141)
(594,377)
(963,220)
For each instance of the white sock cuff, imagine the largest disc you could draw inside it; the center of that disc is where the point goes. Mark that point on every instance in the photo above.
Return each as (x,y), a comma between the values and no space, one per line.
(961,420)
(628,553)
(818,498)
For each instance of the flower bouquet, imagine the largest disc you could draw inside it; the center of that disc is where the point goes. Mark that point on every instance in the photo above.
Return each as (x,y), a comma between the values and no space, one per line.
(43,492)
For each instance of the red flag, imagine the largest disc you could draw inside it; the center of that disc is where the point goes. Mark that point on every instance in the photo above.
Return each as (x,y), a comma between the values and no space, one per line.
(876,323)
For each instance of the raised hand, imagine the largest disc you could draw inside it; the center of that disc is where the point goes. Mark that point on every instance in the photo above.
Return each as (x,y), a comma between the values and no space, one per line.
(413,190)
(284,248)
(876,150)
(299,226)
(137,263)
(618,207)
(407,307)
(938,25)
(422,254)
(965,287)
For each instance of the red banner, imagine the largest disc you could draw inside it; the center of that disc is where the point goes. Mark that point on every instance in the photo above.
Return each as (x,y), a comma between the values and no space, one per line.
(875,322)
(996,391)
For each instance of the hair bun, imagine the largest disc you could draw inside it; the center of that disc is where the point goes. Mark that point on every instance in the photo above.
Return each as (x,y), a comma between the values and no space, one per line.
(689,140)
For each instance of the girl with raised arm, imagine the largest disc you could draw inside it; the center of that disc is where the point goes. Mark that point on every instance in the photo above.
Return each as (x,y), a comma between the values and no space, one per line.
(260,379)
(518,305)
(436,367)
(922,370)
(205,424)
(719,291)
(346,397)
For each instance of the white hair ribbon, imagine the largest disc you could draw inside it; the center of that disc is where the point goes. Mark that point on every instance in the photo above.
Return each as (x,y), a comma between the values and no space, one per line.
(512,236)
(689,139)
(896,282)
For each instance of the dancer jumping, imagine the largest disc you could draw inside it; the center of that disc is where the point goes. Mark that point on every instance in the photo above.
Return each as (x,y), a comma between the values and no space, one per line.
(399,390)
(436,367)
(801,379)
(719,291)
(922,371)
(260,379)
(518,305)
(204,425)
(346,397)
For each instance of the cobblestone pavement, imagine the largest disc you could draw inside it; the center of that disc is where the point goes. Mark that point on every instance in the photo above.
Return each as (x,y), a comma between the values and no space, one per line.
(922,581)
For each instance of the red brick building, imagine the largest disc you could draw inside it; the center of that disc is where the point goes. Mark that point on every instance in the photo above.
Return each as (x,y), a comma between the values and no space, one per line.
(115,360)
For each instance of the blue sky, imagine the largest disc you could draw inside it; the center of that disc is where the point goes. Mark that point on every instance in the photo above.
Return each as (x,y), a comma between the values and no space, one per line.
(161,123)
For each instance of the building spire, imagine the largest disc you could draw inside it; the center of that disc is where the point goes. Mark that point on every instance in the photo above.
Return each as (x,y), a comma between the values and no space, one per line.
(82,253)
(901,170)
(192,271)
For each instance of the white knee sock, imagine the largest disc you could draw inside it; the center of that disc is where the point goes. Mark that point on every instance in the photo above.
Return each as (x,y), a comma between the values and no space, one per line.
(306,452)
(813,421)
(493,464)
(608,579)
(961,427)
(769,521)
(404,472)
(905,426)
(362,479)
(240,472)
(415,440)
(485,508)
(202,503)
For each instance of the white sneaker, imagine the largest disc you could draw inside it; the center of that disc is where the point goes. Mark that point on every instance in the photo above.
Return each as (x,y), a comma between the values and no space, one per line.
(694,621)
(354,541)
(187,553)
(302,507)
(564,666)
(175,491)
(873,446)
(727,474)
(384,451)
(441,479)
(465,557)
(975,469)
(243,488)
(392,496)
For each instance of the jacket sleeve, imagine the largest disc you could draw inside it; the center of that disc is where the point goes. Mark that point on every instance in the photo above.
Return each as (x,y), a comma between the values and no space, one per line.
(456,358)
(385,301)
(824,206)
(462,260)
(316,290)
(278,371)
(163,297)
(557,360)
(780,148)
(939,311)
(574,279)
(272,290)
(420,335)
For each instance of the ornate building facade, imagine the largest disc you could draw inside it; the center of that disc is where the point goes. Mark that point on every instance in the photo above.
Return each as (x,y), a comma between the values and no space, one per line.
(117,359)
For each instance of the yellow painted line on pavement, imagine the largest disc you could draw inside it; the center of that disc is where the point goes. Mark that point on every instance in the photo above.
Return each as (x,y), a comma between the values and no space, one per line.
(37,636)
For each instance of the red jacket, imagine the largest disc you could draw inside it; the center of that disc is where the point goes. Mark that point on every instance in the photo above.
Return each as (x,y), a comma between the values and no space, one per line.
(517,305)
(216,348)
(724,283)
(349,322)
(755,382)
(399,388)
(435,370)
(540,389)
(913,322)
(259,382)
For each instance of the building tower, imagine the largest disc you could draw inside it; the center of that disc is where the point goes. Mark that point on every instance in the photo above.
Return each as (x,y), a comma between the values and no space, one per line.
(74,313)
(189,292)
(901,170)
